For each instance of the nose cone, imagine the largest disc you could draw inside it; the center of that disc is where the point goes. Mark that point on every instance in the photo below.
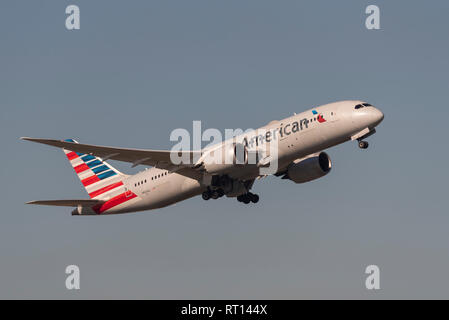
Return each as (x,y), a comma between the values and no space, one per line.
(377,116)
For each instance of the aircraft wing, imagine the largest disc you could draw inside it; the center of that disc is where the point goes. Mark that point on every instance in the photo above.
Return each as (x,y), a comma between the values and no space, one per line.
(67,203)
(155,158)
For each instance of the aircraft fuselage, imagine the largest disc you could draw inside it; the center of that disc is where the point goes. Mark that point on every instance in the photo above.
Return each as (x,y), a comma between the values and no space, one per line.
(297,136)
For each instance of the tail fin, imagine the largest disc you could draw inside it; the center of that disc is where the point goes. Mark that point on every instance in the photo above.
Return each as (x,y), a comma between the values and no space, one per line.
(100,179)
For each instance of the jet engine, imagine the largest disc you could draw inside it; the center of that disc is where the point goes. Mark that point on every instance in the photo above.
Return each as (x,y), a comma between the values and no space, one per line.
(310,168)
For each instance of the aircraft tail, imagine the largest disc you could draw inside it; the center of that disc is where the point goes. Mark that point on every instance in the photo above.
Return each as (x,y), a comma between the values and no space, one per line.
(100,179)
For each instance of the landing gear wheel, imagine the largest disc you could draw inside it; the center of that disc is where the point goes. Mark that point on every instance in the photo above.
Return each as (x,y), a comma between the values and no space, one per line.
(248,197)
(215,195)
(363,144)
(254,198)
(220,193)
(206,195)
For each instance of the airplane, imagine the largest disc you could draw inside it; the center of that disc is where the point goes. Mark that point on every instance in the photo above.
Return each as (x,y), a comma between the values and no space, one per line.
(300,141)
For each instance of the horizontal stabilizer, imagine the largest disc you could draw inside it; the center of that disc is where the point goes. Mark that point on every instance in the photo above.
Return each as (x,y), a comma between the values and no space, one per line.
(67,203)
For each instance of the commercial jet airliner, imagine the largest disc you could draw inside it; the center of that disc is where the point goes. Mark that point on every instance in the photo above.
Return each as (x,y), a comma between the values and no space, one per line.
(300,141)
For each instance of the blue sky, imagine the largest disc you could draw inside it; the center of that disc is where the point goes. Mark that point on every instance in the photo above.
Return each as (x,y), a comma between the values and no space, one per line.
(136,71)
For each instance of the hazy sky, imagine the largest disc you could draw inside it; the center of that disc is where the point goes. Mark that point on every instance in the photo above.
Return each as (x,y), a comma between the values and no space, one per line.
(136,70)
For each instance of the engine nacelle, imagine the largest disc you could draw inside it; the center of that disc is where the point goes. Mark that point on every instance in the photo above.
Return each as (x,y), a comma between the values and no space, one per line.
(307,169)
(224,158)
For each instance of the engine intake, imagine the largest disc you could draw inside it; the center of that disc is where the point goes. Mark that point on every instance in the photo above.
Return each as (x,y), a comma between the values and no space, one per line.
(310,168)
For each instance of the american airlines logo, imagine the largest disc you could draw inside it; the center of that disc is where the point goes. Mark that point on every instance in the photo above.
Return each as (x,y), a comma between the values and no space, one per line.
(282,131)
(278,133)
(320,117)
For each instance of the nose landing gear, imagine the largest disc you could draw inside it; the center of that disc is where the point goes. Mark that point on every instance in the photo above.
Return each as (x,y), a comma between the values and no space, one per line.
(363,144)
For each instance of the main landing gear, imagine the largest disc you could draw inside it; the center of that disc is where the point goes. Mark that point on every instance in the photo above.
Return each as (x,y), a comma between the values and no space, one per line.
(218,193)
(363,144)
(222,185)
(214,194)
(248,197)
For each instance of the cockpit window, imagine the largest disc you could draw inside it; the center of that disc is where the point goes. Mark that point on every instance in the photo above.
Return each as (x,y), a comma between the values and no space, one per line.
(362,105)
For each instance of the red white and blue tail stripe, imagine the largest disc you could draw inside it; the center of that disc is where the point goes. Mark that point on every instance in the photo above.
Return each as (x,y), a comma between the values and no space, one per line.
(100,179)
